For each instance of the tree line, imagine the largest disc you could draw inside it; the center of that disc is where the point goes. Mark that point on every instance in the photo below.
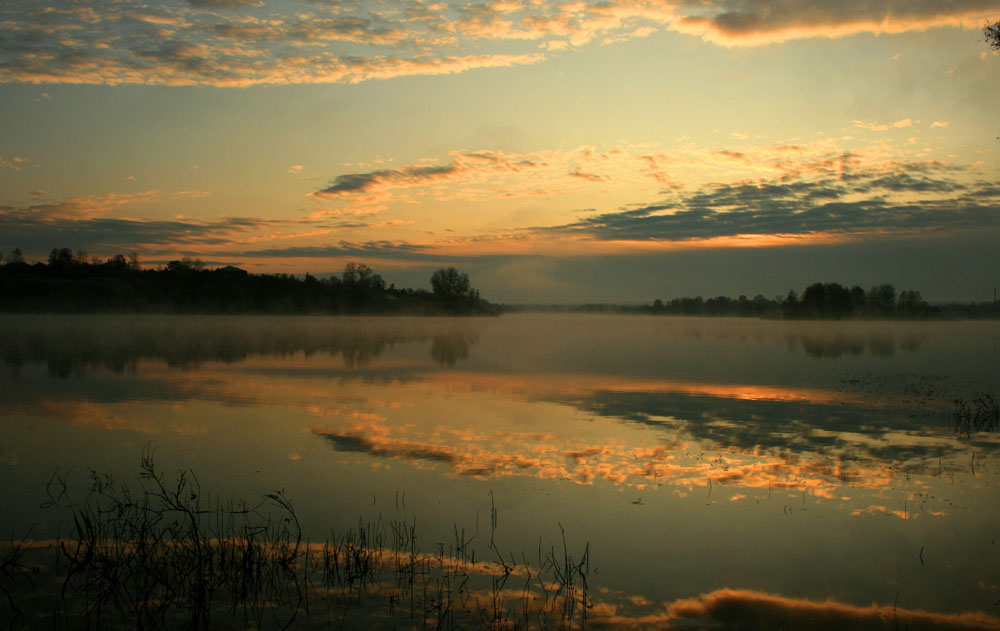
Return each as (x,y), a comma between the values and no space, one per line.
(819,301)
(75,283)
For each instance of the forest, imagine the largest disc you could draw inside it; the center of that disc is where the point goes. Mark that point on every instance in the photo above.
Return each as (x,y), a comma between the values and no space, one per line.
(74,283)
(818,301)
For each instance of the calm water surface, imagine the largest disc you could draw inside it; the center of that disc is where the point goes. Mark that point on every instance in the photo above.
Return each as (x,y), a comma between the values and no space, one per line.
(722,471)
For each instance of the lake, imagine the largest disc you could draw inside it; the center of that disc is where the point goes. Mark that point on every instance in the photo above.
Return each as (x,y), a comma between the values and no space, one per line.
(701,473)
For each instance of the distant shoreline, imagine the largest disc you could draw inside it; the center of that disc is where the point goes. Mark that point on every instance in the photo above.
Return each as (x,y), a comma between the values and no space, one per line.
(72,283)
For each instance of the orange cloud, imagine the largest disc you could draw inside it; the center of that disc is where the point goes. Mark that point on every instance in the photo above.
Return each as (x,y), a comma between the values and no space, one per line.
(14,163)
(87,206)
(590,177)
(172,45)
(906,122)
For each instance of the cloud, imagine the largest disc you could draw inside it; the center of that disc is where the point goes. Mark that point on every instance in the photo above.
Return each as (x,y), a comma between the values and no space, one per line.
(407,176)
(489,175)
(117,235)
(85,222)
(465,165)
(906,122)
(769,611)
(750,23)
(380,249)
(940,124)
(75,208)
(115,44)
(227,4)
(200,43)
(590,177)
(14,163)
(857,201)
(355,211)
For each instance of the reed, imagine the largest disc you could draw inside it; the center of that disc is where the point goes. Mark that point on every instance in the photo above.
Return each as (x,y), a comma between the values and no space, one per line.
(979,414)
(163,554)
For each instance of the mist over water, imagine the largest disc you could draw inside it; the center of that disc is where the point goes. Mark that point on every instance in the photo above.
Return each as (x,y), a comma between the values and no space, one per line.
(760,470)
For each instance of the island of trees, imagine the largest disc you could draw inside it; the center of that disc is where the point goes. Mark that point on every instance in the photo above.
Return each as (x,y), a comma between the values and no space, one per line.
(73,283)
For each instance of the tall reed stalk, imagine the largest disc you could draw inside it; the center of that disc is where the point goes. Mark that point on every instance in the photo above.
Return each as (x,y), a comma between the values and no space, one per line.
(165,555)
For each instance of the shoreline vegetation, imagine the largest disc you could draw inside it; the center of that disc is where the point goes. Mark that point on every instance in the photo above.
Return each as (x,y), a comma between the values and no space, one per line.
(818,301)
(74,283)
(161,553)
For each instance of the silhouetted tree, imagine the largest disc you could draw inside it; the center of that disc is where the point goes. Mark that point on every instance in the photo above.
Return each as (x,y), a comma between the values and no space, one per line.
(361,287)
(69,283)
(790,306)
(450,284)
(185,265)
(911,303)
(992,33)
(61,259)
(826,300)
(761,305)
(858,300)
(360,275)
(882,300)
(117,262)
(15,257)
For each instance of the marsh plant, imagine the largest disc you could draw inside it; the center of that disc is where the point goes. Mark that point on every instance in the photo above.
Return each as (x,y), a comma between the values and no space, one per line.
(979,414)
(162,554)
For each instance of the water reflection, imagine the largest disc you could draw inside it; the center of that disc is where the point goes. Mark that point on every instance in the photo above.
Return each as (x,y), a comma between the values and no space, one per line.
(451,349)
(70,346)
(837,345)
(792,439)
(823,341)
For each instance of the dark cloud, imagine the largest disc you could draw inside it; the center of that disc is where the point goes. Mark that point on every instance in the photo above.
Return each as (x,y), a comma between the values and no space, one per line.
(40,235)
(907,182)
(111,43)
(590,177)
(417,175)
(362,182)
(800,207)
(352,183)
(776,20)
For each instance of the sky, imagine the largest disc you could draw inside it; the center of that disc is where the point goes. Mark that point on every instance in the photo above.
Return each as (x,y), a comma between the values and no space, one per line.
(558,151)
